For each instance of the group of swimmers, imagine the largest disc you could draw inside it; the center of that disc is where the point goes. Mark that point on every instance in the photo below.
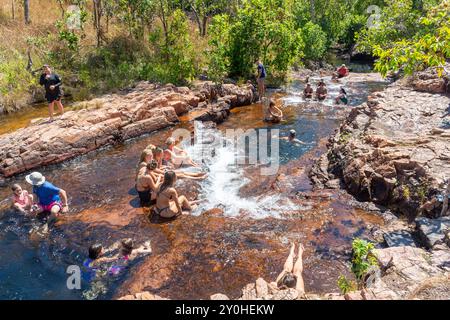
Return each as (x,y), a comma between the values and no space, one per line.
(322,93)
(157,173)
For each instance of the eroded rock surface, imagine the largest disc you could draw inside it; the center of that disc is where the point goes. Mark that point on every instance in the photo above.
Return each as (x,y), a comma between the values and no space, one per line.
(110,119)
(394,150)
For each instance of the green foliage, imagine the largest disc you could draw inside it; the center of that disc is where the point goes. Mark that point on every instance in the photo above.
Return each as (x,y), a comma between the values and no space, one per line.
(315,41)
(174,56)
(260,29)
(346,285)
(14,78)
(409,36)
(362,258)
(218,57)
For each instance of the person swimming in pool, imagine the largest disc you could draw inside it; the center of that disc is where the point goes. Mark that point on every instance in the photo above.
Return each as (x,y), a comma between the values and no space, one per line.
(128,252)
(292,138)
(342,97)
(168,203)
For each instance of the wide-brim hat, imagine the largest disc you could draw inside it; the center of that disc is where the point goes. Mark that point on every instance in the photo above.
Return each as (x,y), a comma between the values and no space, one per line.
(35,179)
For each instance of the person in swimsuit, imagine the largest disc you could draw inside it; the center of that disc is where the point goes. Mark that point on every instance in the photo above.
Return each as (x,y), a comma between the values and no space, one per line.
(342,97)
(292,137)
(177,157)
(321,92)
(127,253)
(158,155)
(291,276)
(308,92)
(52,84)
(146,158)
(147,183)
(275,114)
(21,200)
(168,203)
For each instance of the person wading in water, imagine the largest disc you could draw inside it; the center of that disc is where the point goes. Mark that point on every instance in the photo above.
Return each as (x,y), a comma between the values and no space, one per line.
(52,83)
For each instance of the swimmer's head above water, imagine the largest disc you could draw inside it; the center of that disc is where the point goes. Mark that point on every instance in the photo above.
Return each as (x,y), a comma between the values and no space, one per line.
(292,134)
(95,251)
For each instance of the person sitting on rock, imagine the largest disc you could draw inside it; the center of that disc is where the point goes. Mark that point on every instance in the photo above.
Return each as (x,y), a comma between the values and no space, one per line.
(308,92)
(168,203)
(145,159)
(275,114)
(21,200)
(342,97)
(158,155)
(147,184)
(175,156)
(50,198)
(321,92)
(342,71)
(292,137)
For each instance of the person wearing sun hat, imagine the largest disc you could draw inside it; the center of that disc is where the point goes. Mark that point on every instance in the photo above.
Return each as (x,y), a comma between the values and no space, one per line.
(50,198)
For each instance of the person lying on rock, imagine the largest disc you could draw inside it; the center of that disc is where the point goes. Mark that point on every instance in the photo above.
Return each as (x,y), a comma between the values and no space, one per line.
(275,114)
(321,91)
(52,84)
(308,92)
(147,183)
(177,158)
(291,276)
(292,137)
(158,155)
(168,203)
(21,200)
(50,198)
(342,97)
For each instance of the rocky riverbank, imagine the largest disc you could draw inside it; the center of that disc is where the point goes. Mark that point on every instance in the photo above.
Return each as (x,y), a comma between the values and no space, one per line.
(394,150)
(114,118)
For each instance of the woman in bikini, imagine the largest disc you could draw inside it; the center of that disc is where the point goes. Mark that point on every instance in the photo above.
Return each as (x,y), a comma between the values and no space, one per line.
(159,156)
(177,156)
(147,183)
(168,203)
(275,113)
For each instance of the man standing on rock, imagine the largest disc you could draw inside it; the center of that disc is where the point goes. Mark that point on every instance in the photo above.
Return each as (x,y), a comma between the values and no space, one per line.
(52,84)
(50,198)
(260,78)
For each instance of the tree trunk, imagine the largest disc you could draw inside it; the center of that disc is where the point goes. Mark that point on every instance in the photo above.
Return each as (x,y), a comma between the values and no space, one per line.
(13,9)
(205,26)
(26,11)
(98,20)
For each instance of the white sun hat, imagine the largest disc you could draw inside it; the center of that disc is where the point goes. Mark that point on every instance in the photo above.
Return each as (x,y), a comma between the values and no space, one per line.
(35,179)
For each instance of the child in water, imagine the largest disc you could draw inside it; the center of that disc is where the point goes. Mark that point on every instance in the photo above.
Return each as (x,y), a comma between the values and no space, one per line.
(127,253)
(21,200)
(275,114)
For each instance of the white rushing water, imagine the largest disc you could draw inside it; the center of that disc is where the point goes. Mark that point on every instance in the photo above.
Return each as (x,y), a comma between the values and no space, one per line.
(226,178)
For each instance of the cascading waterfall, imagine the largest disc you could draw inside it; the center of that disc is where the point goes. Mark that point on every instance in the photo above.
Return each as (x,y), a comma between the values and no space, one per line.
(226,177)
